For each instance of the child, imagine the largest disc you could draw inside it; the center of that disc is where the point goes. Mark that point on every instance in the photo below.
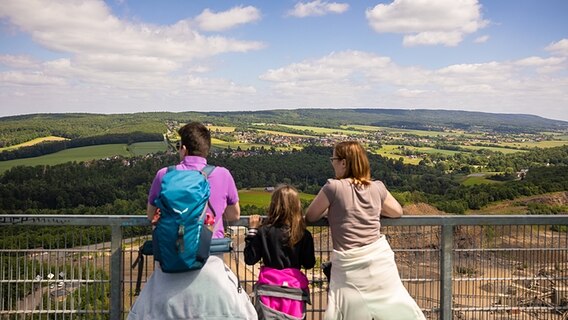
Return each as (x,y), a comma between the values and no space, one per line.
(285,246)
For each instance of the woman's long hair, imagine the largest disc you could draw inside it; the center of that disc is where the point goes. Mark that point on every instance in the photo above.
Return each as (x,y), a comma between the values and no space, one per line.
(285,209)
(356,162)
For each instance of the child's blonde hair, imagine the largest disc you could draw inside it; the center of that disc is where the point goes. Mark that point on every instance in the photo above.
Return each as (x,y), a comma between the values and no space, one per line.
(286,209)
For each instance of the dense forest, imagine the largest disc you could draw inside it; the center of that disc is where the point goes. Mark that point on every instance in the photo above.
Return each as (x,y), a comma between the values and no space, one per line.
(120,186)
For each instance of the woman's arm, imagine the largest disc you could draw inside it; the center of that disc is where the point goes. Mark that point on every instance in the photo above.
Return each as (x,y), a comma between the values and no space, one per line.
(391,208)
(318,207)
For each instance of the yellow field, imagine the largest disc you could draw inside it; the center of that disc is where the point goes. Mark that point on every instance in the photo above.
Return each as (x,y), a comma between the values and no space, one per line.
(32,142)
(541,144)
(221,129)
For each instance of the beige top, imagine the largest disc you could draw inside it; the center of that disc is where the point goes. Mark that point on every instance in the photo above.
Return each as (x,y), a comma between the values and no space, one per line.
(354,213)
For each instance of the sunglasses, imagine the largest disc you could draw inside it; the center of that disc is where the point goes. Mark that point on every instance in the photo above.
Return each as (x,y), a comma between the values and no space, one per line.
(178,145)
(334,158)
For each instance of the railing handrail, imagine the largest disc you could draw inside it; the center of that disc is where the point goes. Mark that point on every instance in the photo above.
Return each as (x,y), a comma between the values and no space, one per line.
(447,223)
(408,220)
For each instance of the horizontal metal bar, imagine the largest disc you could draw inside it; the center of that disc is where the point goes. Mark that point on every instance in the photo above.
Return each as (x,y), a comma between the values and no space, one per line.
(48,251)
(509,278)
(507,308)
(509,249)
(53,281)
(67,311)
(141,220)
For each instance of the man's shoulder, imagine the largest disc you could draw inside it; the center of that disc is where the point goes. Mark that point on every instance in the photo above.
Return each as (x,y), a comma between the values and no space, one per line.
(221,171)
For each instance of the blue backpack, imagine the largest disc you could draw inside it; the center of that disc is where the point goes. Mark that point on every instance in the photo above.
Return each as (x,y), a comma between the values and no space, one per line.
(181,240)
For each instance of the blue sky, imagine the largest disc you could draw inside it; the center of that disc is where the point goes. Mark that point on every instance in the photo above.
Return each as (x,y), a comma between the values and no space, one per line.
(123,56)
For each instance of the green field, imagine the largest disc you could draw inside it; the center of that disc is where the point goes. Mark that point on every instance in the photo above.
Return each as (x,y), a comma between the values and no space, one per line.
(260,198)
(322,130)
(86,154)
(496,149)
(421,133)
(244,146)
(287,134)
(479,178)
(143,148)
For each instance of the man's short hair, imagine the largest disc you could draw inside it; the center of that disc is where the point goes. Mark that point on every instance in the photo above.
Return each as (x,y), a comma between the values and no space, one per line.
(196,138)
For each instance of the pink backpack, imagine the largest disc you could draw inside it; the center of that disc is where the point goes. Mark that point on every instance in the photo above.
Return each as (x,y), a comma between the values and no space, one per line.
(281,294)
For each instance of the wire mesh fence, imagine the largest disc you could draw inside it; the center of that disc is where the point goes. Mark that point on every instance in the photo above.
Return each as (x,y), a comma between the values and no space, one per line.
(496,267)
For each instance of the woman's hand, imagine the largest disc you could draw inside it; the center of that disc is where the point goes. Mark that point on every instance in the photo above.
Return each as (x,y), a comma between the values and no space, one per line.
(254,221)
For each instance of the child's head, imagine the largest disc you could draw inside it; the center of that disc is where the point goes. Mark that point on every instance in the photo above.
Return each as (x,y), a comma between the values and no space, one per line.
(286,209)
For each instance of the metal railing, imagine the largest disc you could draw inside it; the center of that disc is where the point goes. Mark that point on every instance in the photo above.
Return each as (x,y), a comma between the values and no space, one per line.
(455,267)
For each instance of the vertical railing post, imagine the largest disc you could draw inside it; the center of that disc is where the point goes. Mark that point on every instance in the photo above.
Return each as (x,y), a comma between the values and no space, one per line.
(446,271)
(115,272)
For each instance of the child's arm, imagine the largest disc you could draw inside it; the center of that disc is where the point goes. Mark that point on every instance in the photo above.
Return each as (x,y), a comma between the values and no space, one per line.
(253,248)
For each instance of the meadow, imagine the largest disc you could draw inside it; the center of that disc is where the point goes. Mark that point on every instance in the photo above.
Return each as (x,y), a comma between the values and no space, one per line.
(421,133)
(261,198)
(86,154)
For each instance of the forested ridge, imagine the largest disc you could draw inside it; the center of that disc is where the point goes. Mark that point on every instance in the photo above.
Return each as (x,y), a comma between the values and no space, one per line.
(18,129)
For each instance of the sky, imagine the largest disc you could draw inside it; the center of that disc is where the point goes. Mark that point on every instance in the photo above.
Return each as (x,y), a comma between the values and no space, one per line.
(125,56)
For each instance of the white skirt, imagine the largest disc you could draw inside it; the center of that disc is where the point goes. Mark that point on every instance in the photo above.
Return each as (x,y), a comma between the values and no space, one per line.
(209,293)
(365,284)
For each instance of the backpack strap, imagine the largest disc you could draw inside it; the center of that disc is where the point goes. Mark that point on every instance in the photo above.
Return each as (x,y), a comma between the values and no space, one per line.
(206,171)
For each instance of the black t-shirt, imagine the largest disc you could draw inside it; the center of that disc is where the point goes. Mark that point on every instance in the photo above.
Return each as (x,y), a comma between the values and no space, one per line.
(271,245)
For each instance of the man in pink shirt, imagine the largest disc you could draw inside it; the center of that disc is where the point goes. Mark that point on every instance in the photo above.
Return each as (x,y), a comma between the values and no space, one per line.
(194,148)
(212,292)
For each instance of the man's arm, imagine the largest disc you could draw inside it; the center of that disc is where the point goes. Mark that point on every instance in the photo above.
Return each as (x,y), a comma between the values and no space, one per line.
(150,211)
(232,212)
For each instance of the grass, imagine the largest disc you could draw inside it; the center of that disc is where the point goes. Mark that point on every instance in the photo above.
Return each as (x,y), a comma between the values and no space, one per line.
(244,146)
(280,133)
(422,133)
(32,142)
(480,178)
(322,130)
(143,148)
(504,149)
(86,154)
(260,198)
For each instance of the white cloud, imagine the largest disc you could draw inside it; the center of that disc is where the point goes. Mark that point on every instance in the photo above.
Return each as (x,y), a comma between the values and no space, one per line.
(317,8)
(220,21)
(432,22)
(62,25)
(559,48)
(102,51)
(19,62)
(355,78)
(481,39)
(29,79)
